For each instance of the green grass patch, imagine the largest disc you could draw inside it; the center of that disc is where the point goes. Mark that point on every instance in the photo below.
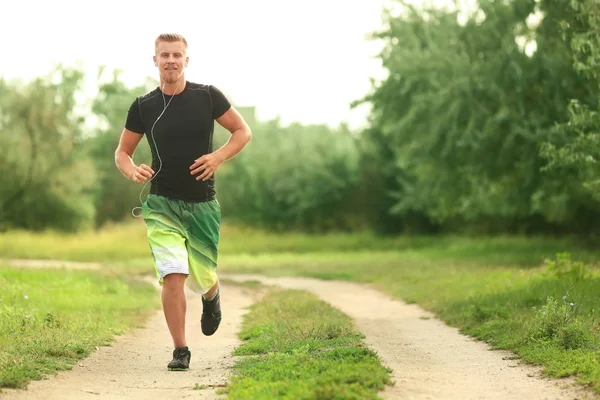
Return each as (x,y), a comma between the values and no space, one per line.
(112,243)
(298,347)
(126,245)
(51,318)
(548,314)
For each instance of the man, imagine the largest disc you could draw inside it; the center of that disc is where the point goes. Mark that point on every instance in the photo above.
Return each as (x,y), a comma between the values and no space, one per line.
(181,213)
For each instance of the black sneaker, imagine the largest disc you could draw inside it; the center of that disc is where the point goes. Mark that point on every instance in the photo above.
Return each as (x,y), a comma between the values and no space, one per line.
(211,314)
(181,359)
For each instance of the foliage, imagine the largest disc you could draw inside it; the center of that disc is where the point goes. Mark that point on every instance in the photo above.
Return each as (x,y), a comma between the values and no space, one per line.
(46,176)
(557,323)
(294,177)
(577,145)
(563,268)
(460,118)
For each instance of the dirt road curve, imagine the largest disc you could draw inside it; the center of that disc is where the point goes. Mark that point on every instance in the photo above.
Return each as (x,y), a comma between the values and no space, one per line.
(429,359)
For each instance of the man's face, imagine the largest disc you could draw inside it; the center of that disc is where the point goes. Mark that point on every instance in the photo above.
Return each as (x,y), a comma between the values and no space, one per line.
(171,58)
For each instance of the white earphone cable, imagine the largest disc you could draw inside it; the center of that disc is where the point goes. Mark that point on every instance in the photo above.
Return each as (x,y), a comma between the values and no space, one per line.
(165,104)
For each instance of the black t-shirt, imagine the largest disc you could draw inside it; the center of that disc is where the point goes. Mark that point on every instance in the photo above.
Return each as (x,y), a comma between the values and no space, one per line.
(182,134)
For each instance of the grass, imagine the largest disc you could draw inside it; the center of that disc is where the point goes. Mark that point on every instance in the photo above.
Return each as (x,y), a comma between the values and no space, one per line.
(526,310)
(49,319)
(106,245)
(298,347)
(499,289)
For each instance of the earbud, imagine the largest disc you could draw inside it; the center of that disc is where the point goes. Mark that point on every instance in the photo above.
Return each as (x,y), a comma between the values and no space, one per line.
(156,64)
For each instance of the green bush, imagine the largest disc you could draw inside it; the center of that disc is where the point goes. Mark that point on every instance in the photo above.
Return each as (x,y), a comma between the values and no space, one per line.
(556,323)
(295,177)
(562,267)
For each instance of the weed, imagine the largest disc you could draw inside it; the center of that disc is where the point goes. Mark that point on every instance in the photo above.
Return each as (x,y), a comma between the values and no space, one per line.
(555,322)
(562,267)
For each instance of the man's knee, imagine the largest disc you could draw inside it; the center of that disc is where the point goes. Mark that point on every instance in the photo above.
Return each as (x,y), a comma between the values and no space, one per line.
(174,280)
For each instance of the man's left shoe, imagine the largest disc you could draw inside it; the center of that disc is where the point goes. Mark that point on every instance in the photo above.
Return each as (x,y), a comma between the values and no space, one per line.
(211,314)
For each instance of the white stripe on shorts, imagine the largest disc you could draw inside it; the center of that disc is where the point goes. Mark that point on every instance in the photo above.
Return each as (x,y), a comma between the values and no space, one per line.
(171,262)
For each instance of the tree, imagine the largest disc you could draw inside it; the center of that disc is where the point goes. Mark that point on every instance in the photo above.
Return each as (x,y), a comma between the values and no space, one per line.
(293,178)
(575,149)
(46,175)
(457,126)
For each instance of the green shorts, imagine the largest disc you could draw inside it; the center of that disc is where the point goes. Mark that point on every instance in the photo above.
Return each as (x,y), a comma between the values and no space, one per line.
(184,239)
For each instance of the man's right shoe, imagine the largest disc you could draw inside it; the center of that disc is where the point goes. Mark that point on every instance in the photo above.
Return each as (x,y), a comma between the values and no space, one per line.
(181,359)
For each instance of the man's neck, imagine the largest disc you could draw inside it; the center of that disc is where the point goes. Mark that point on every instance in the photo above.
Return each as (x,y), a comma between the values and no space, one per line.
(171,89)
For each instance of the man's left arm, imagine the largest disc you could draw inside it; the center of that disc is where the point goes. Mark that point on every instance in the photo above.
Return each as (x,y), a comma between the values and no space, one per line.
(240,136)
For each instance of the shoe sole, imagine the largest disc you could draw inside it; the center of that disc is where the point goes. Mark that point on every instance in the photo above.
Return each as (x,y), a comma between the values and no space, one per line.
(178,369)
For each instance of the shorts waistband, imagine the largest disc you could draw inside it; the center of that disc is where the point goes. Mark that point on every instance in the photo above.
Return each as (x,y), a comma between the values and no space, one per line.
(172,198)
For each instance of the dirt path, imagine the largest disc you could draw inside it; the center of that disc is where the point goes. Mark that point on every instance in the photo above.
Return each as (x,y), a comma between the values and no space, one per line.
(135,366)
(429,359)
(45,264)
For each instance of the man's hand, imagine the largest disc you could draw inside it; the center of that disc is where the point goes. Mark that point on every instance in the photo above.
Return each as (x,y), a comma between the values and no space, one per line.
(142,173)
(207,163)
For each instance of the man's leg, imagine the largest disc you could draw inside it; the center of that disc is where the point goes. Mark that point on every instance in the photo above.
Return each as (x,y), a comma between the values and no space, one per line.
(211,292)
(167,243)
(174,307)
(202,246)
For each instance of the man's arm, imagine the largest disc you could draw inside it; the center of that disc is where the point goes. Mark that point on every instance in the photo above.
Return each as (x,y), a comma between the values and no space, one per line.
(240,136)
(124,158)
(240,133)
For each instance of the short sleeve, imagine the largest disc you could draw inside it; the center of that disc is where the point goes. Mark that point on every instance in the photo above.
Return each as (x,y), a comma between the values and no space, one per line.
(134,118)
(219,102)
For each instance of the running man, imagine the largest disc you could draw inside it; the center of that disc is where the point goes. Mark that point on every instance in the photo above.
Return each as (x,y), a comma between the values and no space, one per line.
(182,213)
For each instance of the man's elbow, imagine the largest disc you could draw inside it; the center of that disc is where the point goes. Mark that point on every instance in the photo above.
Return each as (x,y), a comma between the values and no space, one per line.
(244,132)
(118,155)
(121,155)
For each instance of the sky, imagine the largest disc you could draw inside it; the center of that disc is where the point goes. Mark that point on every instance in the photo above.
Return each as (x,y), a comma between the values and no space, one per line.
(300,61)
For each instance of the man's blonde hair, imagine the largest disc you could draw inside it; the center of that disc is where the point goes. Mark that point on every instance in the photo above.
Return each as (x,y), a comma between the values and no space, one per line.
(170,37)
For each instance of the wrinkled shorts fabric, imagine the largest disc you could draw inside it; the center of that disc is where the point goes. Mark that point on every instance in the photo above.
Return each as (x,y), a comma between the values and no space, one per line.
(184,238)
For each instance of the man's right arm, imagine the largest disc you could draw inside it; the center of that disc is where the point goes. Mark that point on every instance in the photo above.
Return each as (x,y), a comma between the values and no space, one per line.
(124,158)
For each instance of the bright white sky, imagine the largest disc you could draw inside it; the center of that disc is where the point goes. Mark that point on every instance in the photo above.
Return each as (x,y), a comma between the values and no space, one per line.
(303,60)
